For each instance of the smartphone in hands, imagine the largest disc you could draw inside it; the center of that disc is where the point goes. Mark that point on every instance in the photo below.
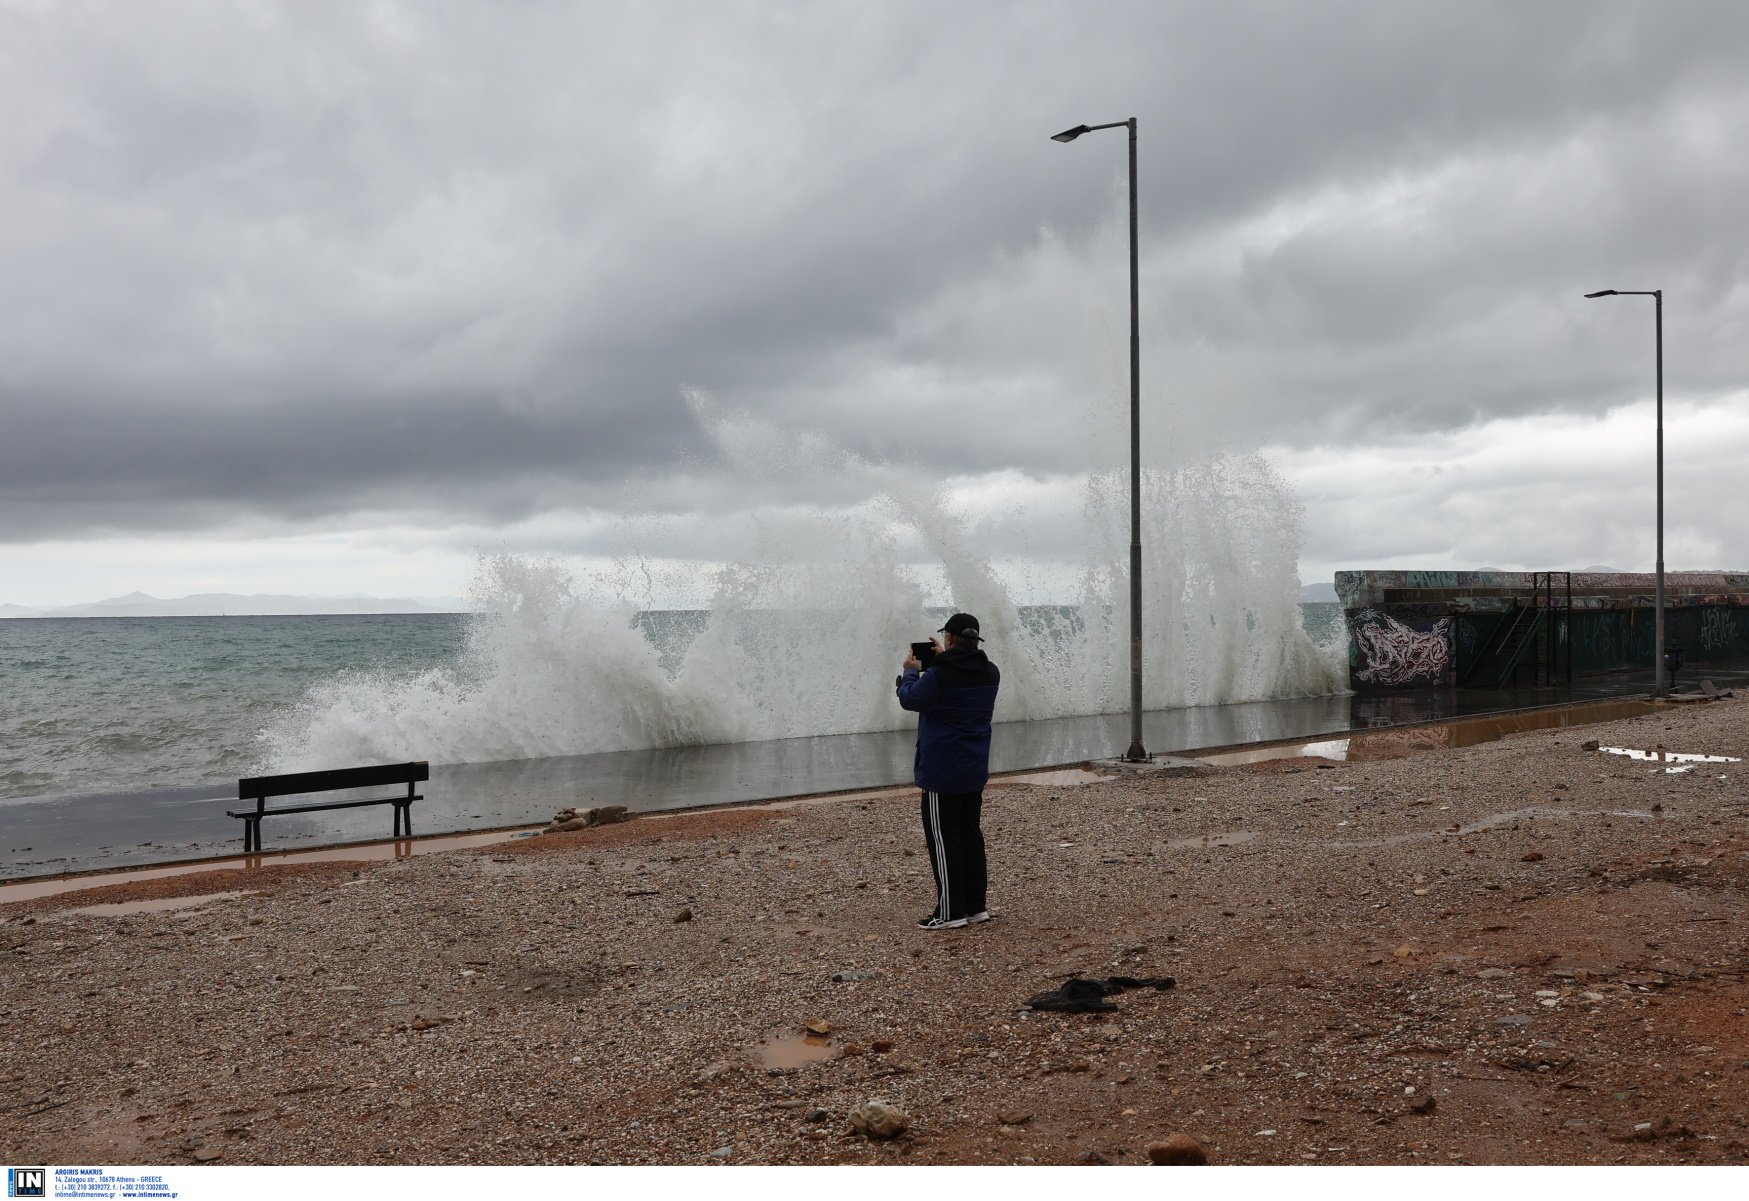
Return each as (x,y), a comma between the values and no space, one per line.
(925,652)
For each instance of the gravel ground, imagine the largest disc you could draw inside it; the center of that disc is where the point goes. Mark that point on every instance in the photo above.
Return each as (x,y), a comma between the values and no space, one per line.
(1545,941)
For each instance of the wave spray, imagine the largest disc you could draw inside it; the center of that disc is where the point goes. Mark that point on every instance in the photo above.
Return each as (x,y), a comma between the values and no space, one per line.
(805,636)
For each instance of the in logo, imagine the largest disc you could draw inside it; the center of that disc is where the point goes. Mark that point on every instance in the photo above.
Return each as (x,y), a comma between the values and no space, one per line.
(27,1182)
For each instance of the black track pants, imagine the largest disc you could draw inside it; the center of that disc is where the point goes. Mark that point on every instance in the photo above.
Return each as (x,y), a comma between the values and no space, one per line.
(956,851)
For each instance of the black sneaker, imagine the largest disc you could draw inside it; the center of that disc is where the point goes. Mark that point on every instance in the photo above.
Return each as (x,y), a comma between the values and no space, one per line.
(941,923)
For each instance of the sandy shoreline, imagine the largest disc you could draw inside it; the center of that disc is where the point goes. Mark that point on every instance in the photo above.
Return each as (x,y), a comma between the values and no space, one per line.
(1376,928)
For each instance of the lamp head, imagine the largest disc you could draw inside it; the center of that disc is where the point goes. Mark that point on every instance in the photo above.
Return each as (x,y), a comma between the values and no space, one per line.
(1069,135)
(1605,292)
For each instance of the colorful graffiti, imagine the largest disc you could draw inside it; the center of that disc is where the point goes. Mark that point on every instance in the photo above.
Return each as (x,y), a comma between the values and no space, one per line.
(1398,654)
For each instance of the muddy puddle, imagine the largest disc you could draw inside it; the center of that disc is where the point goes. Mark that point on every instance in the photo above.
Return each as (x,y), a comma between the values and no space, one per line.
(1685,760)
(1495,821)
(1470,731)
(1069,777)
(161,905)
(784,1049)
(30,890)
(1203,842)
(1336,749)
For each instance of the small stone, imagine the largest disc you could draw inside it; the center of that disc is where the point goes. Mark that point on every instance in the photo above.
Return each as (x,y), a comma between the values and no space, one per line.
(1404,951)
(206,1155)
(1493,973)
(879,1119)
(1423,1104)
(721,1152)
(854,977)
(816,1116)
(881,1046)
(817,1026)
(719,1068)
(1590,744)
(1092,1159)
(1178,1151)
(1533,857)
(1014,1117)
(1513,1019)
(685,915)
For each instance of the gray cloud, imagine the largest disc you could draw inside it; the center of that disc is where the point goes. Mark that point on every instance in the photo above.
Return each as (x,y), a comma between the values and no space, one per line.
(294,262)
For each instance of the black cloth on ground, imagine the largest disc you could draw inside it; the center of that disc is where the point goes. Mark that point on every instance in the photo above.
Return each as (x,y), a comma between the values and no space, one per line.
(1083,995)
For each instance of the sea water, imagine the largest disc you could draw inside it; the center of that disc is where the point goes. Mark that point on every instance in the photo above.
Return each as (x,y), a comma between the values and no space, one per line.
(109,703)
(799,640)
(803,641)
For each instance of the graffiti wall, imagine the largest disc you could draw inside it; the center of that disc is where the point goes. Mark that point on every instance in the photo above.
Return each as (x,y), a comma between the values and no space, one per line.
(1422,629)
(1399,646)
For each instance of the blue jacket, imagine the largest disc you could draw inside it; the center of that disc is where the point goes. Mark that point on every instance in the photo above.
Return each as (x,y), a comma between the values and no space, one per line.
(953,701)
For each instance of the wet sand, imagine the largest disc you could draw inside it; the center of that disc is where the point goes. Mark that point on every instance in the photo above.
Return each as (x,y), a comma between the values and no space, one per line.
(1545,940)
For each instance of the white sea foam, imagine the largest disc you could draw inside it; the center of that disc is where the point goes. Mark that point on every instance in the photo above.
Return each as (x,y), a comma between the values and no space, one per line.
(805,641)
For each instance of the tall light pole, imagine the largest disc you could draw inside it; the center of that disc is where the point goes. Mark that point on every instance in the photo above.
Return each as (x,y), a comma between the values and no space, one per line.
(1659,680)
(1136,753)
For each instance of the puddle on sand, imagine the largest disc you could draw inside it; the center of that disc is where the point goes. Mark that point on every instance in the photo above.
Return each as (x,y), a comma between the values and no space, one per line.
(1660,755)
(1333,749)
(161,905)
(1495,820)
(30,890)
(782,1050)
(1068,777)
(1204,841)
(1472,731)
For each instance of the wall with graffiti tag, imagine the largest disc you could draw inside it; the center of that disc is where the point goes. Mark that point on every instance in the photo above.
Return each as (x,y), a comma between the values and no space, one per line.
(1407,647)
(1425,629)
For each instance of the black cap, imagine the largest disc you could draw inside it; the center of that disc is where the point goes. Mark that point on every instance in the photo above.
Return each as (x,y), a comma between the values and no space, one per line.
(962,625)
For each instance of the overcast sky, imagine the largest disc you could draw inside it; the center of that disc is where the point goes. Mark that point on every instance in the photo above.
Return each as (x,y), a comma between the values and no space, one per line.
(318,298)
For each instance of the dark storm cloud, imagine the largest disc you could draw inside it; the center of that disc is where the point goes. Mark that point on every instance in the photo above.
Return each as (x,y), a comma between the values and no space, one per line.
(297,261)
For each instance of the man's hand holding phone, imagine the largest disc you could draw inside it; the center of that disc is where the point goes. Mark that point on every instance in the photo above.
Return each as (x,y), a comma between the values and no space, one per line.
(922,655)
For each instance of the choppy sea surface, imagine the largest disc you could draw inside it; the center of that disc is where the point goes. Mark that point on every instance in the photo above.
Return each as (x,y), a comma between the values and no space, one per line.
(93,704)
(109,704)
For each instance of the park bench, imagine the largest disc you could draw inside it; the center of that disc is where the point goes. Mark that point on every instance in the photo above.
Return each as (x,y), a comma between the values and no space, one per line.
(260,788)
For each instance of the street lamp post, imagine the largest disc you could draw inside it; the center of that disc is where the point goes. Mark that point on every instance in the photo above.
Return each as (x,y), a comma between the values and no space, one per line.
(1659,675)
(1136,753)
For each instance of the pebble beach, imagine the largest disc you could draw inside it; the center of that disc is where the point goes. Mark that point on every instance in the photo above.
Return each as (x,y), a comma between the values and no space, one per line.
(1522,952)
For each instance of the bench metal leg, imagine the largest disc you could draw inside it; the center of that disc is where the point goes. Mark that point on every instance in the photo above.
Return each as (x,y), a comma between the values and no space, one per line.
(403,820)
(251,834)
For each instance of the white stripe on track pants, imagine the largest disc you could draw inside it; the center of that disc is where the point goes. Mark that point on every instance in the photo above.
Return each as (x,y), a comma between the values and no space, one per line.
(956,851)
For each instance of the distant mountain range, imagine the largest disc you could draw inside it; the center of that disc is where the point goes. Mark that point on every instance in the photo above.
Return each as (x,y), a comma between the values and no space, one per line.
(227,604)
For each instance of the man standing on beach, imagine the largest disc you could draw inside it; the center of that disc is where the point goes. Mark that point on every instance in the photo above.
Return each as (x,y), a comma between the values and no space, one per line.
(953,700)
